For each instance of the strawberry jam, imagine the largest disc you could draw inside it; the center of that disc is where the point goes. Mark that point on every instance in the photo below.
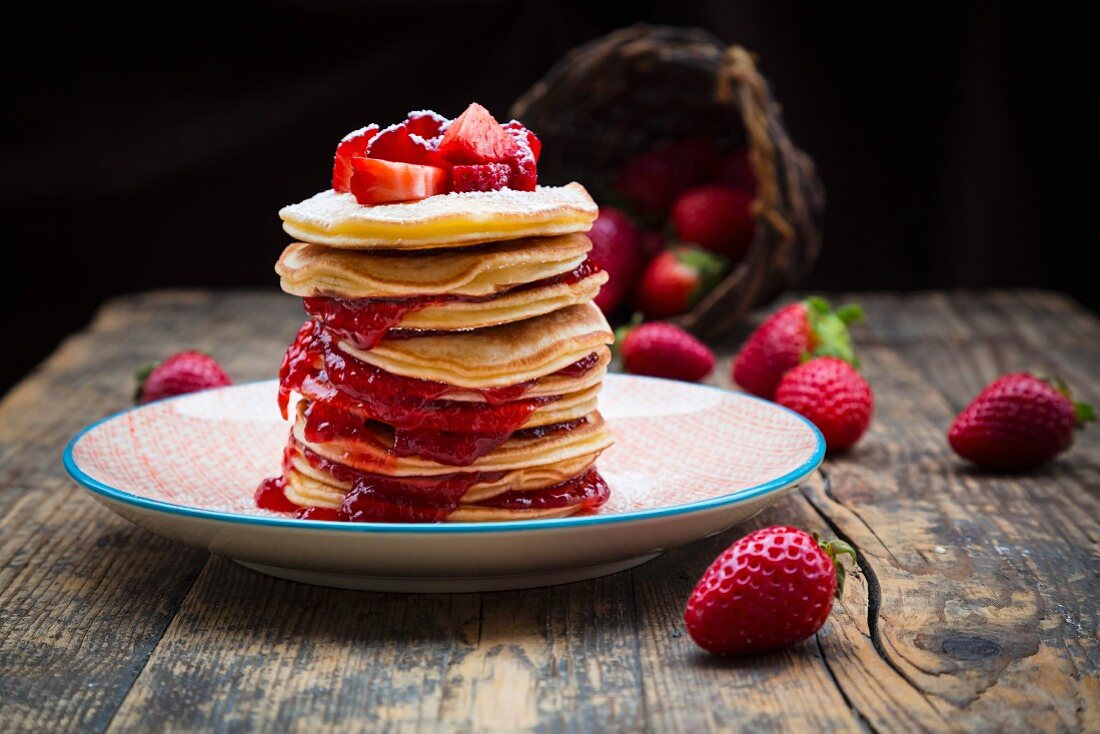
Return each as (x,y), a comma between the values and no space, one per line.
(345,393)
(588,490)
(269,496)
(377,498)
(365,321)
(387,501)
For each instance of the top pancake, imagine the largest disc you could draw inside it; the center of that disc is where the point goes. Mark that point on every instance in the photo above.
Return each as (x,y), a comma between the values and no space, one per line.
(314,270)
(447,220)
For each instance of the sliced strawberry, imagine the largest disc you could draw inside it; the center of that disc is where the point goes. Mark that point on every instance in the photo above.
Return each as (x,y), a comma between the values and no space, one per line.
(476,137)
(516,129)
(481,177)
(425,123)
(525,174)
(376,181)
(397,144)
(353,145)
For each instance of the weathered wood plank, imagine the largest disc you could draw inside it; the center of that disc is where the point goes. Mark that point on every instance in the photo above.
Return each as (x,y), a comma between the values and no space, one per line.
(84,595)
(988,582)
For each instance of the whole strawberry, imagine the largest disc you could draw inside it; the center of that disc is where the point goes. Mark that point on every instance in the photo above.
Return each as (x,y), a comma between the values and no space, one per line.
(181,373)
(676,280)
(833,396)
(796,332)
(717,217)
(616,248)
(663,350)
(1018,421)
(770,589)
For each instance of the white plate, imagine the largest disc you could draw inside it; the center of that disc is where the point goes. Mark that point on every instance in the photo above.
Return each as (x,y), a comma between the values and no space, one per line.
(689,461)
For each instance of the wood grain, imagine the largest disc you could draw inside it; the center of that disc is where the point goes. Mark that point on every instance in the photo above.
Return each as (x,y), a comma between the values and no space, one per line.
(974,606)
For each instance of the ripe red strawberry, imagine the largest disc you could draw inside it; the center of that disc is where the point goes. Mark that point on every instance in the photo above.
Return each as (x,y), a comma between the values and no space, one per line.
(1018,421)
(716,217)
(481,177)
(425,123)
(835,398)
(616,248)
(384,182)
(801,330)
(181,373)
(400,145)
(676,280)
(653,179)
(770,589)
(476,137)
(353,145)
(663,350)
(516,129)
(735,170)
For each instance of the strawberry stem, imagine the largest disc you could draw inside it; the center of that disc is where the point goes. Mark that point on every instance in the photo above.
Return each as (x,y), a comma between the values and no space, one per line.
(834,548)
(830,330)
(141,376)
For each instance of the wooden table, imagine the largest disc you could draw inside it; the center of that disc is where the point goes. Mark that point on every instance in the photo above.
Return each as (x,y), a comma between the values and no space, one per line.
(974,607)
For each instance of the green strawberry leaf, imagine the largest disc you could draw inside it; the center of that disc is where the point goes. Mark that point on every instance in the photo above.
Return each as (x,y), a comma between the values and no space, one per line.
(1085,413)
(709,267)
(834,548)
(830,329)
(141,376)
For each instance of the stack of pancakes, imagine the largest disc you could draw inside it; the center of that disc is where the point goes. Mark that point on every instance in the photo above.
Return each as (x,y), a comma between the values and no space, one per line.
(450,368)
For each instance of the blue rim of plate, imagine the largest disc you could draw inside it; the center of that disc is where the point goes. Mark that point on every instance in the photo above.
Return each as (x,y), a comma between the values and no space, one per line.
(788,479)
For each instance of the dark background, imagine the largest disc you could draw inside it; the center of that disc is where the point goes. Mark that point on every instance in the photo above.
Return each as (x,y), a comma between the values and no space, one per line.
(152,148)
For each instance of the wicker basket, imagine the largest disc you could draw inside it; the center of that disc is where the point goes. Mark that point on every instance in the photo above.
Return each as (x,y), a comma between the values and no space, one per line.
(622,94)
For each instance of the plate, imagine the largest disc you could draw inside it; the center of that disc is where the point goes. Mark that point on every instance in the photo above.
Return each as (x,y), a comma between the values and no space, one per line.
(689,461)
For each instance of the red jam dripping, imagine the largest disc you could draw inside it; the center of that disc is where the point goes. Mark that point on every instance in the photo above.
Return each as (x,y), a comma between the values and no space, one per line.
(319,513)
(419,486)
(313,352)
(365,321)
(385,501)
(377,498)
(588,489)
(325,424)
(269,496)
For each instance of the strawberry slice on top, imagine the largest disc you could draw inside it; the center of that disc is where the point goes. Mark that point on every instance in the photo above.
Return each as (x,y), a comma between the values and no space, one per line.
(353,145)
(388,182)
(476,137)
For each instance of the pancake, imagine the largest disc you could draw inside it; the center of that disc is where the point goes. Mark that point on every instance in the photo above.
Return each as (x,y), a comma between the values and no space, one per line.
(497,356)
(371,453)
(309,486)
(565,408)
(313,270)
(306,491)
(515,306)
(447,220)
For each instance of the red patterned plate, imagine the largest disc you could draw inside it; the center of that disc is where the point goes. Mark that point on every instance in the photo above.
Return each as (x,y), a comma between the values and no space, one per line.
(689,461)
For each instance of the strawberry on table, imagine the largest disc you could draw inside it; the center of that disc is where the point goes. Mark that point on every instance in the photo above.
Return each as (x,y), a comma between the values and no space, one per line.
(770,589)
(833,396)
(1017,422)
(658,349)
(386,182)
(676,280)
(716,217)
(181,373)
(809,328)
(616,248)
(354,145)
